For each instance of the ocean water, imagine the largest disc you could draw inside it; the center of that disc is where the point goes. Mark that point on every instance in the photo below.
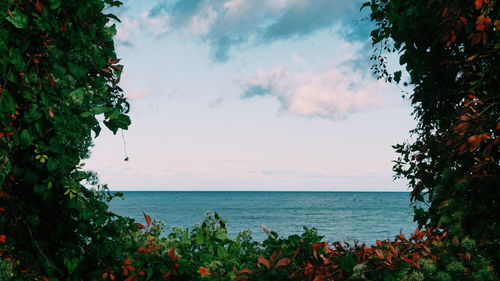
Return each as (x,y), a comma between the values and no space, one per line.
(336,215)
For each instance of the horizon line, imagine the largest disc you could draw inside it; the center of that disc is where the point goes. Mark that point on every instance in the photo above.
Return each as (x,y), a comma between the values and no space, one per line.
(247,190)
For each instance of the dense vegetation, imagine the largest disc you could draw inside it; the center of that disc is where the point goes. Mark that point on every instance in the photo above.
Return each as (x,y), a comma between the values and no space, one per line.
(59,79)
(451,51)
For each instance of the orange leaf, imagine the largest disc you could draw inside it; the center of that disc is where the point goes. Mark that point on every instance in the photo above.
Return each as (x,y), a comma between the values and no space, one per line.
(497,25)
(283,262)
(275,256)
(407,260)
(246,270)
(39,6)
(203,271)
(462,148)
(483,23)
(148,219)
(316,246)
(167,274)
(263,261)
(474,142)
(318,277)
(379,254)
(51,113)
(479,4)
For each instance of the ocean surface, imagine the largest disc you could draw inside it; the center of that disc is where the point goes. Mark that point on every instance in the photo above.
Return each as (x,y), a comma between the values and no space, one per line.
(361,216)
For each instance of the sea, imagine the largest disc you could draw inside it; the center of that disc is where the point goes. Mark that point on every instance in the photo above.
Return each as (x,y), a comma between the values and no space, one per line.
(351,216)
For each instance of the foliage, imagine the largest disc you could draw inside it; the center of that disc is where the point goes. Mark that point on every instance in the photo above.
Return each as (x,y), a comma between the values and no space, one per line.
(195,255)
(58,84)
(450,50)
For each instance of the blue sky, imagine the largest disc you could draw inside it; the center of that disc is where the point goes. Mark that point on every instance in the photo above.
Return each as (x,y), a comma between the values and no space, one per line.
(251,95)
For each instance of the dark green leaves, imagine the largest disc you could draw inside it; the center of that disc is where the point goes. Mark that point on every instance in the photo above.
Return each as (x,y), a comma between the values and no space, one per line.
(71,264)
(55,4)
(122,121)
(77,70)
(7,102)
(18,19)
(53,94)
(397,76)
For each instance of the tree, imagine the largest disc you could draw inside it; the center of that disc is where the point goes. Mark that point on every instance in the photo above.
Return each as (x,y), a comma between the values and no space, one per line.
(58,84)
(450,50)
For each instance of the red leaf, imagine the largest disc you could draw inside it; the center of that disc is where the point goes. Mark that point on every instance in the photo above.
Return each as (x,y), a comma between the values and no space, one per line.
(479,4)
(407,260)
(316,246)
(264,262)
(275,256)
(246,270)
(39,6)
(203,271)
(148,219)
(51,112)
(139,225)
(474,142)
(283,262)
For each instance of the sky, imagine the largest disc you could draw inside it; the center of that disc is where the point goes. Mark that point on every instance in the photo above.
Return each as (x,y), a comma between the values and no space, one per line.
(251,95)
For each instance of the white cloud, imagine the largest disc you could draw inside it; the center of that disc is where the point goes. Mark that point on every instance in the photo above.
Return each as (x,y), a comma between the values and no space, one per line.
(140,93)
(332,94)
(130,28)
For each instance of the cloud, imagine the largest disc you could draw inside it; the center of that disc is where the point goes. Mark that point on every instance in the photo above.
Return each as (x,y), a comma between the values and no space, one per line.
(140,93)
(224,24)
(334,94)
(130,28)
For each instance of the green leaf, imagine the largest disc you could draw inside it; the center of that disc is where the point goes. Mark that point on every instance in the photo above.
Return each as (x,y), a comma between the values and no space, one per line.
(112,16)
(222,252)
(26,138)
(111,30)
(7,102)
(71,264)
(100,110)
(55,4)
(185,238)
(112,114)
(77,70)
(199,238)
(52,164)
(366,4)
(121,122)
(397,76)
(58,69)
(40,189)
(18,19)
